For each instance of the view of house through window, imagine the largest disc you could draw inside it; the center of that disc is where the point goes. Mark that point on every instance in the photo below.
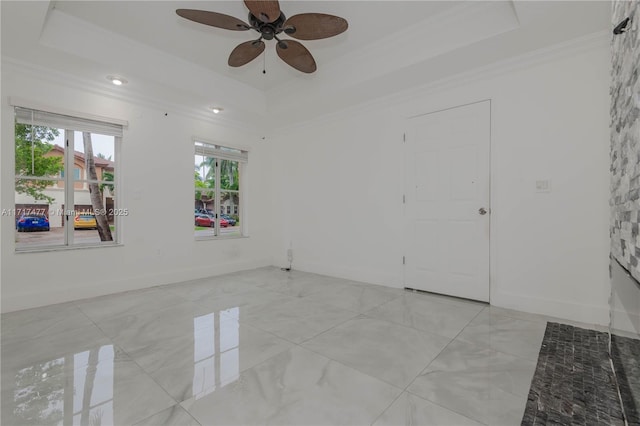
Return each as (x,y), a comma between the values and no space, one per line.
(218,178)
(54,208)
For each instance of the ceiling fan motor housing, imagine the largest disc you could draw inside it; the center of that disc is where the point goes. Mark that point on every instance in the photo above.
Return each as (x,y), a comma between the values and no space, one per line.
(269,29)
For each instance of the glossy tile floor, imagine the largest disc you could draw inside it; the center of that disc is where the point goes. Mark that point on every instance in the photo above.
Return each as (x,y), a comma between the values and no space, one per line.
(268,347)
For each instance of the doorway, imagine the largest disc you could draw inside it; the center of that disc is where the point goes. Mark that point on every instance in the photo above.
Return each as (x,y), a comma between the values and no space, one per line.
(447,195)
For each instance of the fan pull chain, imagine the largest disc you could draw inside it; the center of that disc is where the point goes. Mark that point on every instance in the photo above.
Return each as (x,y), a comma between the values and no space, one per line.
(264,62)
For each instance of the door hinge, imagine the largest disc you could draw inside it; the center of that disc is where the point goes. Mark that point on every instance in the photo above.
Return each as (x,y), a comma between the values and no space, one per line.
(403,260)
(404,199)
(404,137)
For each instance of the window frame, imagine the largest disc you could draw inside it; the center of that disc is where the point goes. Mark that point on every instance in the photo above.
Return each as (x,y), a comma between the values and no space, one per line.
(224,151)
(89,123)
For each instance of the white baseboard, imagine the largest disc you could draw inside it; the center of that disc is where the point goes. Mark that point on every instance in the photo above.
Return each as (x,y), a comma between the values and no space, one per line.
(137,282)
(590,314)
(366,275)
(627,322)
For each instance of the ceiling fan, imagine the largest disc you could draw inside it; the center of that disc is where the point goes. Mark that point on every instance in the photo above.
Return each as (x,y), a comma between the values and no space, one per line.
(266,18)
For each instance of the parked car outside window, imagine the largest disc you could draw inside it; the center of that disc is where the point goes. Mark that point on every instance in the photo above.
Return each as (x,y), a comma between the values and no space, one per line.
(85,221)
(203,220)
(232,221)
(32,222)
(223,222)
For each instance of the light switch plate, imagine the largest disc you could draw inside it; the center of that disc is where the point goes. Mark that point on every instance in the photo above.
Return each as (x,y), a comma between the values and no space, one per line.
(543,185)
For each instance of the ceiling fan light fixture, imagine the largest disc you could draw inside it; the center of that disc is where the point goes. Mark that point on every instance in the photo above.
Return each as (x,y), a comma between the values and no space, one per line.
(217,110)
(116,80)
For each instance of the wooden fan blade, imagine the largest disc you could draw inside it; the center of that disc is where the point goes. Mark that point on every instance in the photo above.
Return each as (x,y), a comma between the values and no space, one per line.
(296,55)
(314,26)
(213,19)
(264,10)
(246,52)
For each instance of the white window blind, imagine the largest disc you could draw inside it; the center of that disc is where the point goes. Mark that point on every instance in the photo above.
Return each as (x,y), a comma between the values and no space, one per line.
(223,153)
(58,121)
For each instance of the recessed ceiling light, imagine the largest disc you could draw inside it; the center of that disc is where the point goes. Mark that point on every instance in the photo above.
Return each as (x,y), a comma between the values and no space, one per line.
(216,110)
(118,81)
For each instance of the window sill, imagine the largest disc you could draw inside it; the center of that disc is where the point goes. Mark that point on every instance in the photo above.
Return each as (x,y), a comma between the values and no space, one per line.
(232,237)
(64,248)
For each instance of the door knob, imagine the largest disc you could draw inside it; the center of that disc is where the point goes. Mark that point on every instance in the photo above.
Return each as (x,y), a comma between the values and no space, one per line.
(482,211)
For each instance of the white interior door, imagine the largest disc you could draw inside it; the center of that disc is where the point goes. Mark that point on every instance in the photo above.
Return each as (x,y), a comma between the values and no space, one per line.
(447,202)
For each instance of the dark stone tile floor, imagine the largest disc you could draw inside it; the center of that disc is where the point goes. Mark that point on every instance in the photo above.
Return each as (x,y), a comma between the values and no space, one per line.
(625,353)
(573,383)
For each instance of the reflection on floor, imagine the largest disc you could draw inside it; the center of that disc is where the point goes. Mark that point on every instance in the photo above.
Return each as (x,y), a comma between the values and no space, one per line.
(267,346)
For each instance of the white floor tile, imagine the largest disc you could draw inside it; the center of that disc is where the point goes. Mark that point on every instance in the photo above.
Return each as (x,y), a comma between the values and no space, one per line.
(193,364)
(427,313)
(509,335)
(98,386)
(390,352)
(353,297)
(296,387)
(41,322)
(412,410)
(479,383)
(268,346)
(130,302)
(296,320)
(172,416)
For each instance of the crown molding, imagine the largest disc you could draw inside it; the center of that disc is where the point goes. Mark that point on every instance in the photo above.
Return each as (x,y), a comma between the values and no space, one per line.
(70,81)
(539,56)
(536,57)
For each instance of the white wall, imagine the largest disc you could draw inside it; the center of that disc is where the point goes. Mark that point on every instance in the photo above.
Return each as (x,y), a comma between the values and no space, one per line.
(336,190)
(340,181)
(157,172)
(625,302)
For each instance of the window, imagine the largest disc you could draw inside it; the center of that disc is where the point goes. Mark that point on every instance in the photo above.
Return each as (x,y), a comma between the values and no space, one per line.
(54,209)
(219,179)
(76,173)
